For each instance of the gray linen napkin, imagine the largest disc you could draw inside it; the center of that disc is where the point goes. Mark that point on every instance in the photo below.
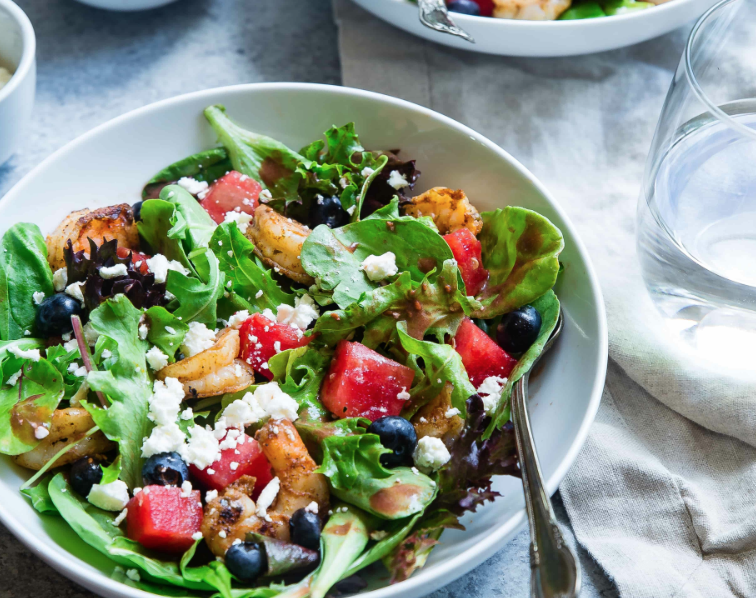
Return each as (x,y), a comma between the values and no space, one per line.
(664,493)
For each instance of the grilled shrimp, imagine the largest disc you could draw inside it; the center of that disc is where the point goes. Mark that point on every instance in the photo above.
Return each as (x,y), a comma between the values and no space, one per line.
(230,378)
(530,10)
(103,224)
(431,419)
(450,210)
(278,243)
(68,427)
(231,516)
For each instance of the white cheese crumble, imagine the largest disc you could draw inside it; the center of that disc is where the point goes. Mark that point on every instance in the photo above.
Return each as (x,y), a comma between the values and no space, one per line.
(236,320)
(133,575)
(233,465)
(109,497)
(79,372)
(379,267)
(351,210)
(490,391)
(275,402)
(165,402)
(199,338)
(144,330)
(367,171)
(243,412)
(378,535)
(60,279)
(159,265)
(265,196)
(113,271)
(431,453)
(301,315)
(41,432)
(38,297)
(74,290)
(186,489)
(197,536)
(32,354)
(211,495)
(267,496)
(187,414)
(203,448)
(258,294)
(163,439)
(193,186)
(90,334)
(403,395)
(14,378)
(106,354)
(451,412)
(397,180)
(242,220)
(156,359)
(121,516)
(312,507)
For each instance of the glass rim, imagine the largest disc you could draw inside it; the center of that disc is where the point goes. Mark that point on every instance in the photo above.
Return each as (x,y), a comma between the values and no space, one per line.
(693,81)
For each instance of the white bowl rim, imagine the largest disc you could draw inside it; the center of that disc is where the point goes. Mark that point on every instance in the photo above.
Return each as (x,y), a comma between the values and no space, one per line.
(473,555)
(27,53)
(597,23)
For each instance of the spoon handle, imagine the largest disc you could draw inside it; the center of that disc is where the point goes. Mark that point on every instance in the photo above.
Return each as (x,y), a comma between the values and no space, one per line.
(433,14)
(554,569)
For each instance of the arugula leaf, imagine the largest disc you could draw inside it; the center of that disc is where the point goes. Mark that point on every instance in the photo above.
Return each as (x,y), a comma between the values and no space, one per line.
(163,229)
(167,332)
(442,364)
(520,249)
(9,363)
(235,254)
(126,384)
(356,476)
(112,472)
(39,496)
(199,225)
(208,166)
(23,271)
(197,299)
(215,574)
(391,212)
(300,373)
(27,405)
(61,359)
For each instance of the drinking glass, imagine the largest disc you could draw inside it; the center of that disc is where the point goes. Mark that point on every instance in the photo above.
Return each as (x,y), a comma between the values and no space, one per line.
(696,234)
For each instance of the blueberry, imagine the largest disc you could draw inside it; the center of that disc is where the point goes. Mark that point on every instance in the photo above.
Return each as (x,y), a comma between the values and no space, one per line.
(246,561)
(137,210)
(304,528)
(328,211)
(397,434)
(165,469)
(466,7)
(54,315)
(518,330)
(84,473)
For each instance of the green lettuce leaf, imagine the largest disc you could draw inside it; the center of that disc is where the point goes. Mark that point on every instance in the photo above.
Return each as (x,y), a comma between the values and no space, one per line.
(23,272)
(199,226)
(28,404)
(300,374)
(39,496)
(9,363)
(520,249)
(125,383)
(208,166)
(198,300)
(346,458)
(168,341)
(163,228)
(397,532)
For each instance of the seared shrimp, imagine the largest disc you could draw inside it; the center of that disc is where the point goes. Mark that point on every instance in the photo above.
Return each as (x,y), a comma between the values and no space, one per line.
(431,419)
(449,209)
(68,427)
(278,242)
(530,10)
(233,514)
(230,378)
(103,224)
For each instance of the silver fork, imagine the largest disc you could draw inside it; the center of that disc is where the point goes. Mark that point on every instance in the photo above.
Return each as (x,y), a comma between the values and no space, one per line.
(555,572)
(433,14)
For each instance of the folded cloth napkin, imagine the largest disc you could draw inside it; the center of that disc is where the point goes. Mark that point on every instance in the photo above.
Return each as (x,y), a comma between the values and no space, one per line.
(663,495)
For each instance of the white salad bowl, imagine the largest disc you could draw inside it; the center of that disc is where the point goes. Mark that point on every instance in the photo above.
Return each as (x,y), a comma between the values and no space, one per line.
(17,50)
(111,163)
(510,37)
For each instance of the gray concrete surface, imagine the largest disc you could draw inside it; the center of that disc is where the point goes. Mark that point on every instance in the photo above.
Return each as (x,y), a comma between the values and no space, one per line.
(95,65)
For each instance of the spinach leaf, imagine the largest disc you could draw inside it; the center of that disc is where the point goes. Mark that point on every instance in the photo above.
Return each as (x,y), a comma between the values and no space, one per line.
(197,299)
(39,496)
(248,277)
(167,332)
(199,226)
(125,383)
(391,212)
(334,267)
(207,166)
(23,272)
(28,405)
(548,306)
(520,249)
(441,364)
(112,472)
(163,228)
(300,373)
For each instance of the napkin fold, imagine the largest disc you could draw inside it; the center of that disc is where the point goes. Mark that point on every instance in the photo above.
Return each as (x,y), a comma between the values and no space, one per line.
(663,495)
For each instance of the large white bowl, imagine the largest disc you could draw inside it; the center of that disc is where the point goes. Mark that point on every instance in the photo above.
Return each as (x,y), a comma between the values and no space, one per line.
(17,50)
(509,37)
(111,163)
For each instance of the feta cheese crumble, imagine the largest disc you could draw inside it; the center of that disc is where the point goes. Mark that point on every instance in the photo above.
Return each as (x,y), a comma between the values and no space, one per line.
(163,439)
(156,359)
(490,391)
(38,297)
(14,378)
(267,496)
(236,320)
(367,171)
(243,412)
(202,449)
(312,507)
(276,402)
(403,395)
(197,536)
(193,186)
(451,412)
(242,220)
(74,290)
(41,432)
(379,267)
(133,575)
(113,271)
(159,265)
(109,497)
(165,402)
(60,279)
(397,180)
(211,495)
(32,354)
(121,517)
(199,338)
(431,453)
(301,315)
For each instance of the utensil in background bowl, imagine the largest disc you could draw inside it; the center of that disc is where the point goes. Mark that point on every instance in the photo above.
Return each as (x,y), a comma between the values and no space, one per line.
(17,55)
(509,37)
(117,158)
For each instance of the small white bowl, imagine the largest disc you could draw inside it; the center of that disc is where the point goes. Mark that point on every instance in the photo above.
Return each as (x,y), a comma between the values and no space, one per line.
(126,5)
(510,37)
(17,50)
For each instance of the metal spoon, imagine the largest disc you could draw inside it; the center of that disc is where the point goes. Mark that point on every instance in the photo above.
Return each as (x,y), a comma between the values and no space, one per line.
(433,14)
(555,572)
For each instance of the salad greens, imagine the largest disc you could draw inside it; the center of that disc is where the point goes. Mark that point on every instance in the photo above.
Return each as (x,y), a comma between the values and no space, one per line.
(378,332)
